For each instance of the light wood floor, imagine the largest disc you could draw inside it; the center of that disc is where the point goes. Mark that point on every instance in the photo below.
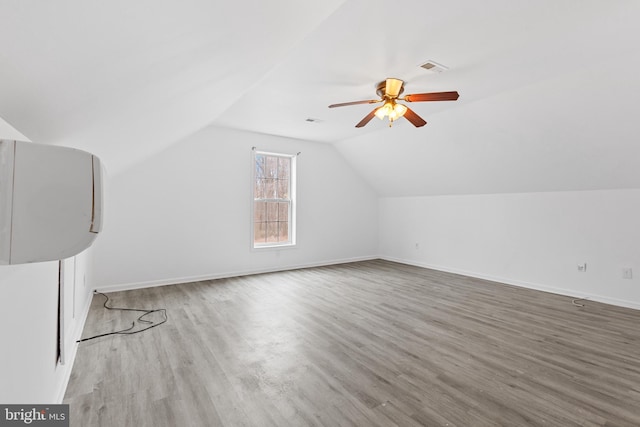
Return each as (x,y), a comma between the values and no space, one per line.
(365,344)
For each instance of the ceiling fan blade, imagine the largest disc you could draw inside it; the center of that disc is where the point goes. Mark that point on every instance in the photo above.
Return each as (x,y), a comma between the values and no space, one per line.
(367,118)
(433,96)
(415,119)
(344,104)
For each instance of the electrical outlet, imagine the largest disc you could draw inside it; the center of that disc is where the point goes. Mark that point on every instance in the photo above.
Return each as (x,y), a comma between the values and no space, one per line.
(582,267)
(627,273)
(417,245)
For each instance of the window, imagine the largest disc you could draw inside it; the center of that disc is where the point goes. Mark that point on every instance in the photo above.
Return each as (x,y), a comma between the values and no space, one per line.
(273,200)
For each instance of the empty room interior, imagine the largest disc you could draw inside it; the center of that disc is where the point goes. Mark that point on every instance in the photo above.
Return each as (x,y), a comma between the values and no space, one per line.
(336,213)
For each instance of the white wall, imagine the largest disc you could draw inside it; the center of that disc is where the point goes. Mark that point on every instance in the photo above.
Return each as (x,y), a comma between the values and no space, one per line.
(529,239)
(29,372)
(184,214)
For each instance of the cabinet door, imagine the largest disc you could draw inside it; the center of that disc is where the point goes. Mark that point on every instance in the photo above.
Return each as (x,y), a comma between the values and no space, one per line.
(6,198)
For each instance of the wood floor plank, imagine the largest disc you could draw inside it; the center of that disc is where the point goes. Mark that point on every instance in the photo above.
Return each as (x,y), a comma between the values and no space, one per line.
(371,343)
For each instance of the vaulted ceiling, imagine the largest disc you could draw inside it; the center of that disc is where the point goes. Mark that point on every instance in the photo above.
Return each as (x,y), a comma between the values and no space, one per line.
(548,89)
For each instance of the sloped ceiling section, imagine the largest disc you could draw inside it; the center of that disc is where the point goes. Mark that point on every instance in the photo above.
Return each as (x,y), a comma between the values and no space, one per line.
(548,94)
(125,79)
(548,89)
(548,103)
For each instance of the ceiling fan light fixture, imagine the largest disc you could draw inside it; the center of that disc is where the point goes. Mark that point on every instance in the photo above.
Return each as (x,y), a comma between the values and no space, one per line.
(385,110)
(399,110)
(392,110)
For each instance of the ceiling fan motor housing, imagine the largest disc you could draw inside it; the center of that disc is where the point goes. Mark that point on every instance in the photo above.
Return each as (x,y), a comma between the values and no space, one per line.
(395,85)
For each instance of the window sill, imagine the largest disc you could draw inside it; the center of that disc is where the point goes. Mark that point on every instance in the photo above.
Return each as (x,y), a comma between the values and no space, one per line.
(274,246)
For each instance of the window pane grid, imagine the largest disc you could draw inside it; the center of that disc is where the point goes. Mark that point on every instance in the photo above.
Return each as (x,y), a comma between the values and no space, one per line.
(272,202)
(271,222)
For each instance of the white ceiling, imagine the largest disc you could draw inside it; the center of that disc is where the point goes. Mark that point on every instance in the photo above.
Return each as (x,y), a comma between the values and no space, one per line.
(548,89)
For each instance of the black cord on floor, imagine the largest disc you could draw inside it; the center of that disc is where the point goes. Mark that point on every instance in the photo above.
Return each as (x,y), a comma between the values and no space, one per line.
(141,319)
(575,301)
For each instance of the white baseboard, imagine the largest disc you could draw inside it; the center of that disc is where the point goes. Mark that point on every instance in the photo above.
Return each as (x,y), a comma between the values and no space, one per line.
(224,275)
(73,350)
(521,284)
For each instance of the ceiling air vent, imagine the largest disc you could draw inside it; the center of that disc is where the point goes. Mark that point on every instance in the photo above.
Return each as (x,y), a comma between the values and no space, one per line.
(434,67)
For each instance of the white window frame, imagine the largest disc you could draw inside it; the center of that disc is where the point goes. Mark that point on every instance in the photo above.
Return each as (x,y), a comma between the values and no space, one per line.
(291,243)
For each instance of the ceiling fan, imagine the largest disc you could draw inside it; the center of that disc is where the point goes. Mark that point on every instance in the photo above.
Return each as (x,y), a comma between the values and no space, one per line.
(389,91)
